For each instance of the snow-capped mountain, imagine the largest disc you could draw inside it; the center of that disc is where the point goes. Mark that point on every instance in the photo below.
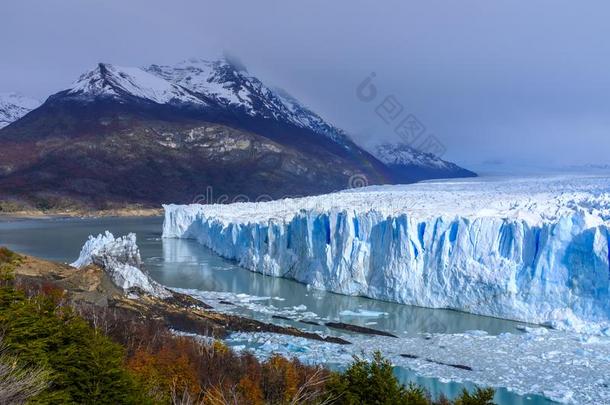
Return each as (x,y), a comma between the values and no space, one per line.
(402,159)
(402,154)
(205,85)
(111,81)
(304,117)
(229,86)
(14,106)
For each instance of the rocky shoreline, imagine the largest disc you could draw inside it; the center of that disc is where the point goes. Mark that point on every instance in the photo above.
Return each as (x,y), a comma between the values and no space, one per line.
(81,213)
(91,285)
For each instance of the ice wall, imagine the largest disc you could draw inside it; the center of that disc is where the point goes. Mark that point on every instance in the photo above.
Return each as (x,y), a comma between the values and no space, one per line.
(552,271)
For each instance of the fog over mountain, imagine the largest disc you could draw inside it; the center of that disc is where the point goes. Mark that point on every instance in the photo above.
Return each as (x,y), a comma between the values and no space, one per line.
(492,81)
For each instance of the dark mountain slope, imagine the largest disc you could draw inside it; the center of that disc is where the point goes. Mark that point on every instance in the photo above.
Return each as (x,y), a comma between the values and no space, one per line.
(171,134)
(112,146)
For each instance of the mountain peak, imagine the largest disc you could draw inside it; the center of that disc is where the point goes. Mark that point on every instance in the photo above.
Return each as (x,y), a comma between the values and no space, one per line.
(226,61)
(217,79)
(402,158)
(206,86)
(403,154)
(14,106)
(227,83)
(112,81)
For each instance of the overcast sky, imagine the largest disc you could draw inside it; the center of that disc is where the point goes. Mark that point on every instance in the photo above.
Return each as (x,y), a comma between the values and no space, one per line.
(494,80)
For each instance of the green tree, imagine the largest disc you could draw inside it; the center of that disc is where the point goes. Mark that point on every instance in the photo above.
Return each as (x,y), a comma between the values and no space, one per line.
(481,396)
(373,383)
(84,366)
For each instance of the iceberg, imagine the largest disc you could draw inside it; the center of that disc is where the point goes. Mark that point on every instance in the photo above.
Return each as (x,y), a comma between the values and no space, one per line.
(365,313)
(120,258)
(529,249)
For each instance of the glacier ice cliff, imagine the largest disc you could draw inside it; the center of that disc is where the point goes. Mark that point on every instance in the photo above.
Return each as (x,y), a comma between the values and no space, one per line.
(529,249)
(120,258)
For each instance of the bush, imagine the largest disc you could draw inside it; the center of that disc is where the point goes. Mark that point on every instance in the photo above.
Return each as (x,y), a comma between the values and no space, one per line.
(19,383)
(481,396)
(83,365)
(8,261)
(373,383)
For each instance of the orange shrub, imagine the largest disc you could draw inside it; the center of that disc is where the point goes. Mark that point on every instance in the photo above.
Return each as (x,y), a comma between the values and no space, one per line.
(167,371)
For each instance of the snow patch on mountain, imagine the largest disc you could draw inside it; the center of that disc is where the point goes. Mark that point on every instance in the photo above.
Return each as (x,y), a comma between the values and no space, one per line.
(405,155)
(203,84)
(305,118)
(14,106)
(120,258)
(107,80)
(230,86)
(213,79)
(529,249)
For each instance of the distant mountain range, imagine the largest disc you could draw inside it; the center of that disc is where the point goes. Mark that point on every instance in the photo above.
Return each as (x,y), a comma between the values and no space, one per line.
(123,135)
(406,162)
(14,106)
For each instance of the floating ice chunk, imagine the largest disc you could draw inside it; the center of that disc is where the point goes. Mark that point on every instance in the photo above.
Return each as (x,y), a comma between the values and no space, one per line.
(363,313)
(564,396)
(476,332)
(533,331)
(255,298)
(229,302)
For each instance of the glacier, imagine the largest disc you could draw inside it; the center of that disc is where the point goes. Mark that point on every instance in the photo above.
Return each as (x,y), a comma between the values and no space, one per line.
(532,249)
(120,258)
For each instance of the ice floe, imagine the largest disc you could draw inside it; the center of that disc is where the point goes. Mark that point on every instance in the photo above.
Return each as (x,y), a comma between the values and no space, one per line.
(565,367)
(363,313)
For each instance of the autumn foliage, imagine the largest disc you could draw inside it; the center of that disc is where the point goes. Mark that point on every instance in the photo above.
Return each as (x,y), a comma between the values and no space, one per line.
(179,369)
